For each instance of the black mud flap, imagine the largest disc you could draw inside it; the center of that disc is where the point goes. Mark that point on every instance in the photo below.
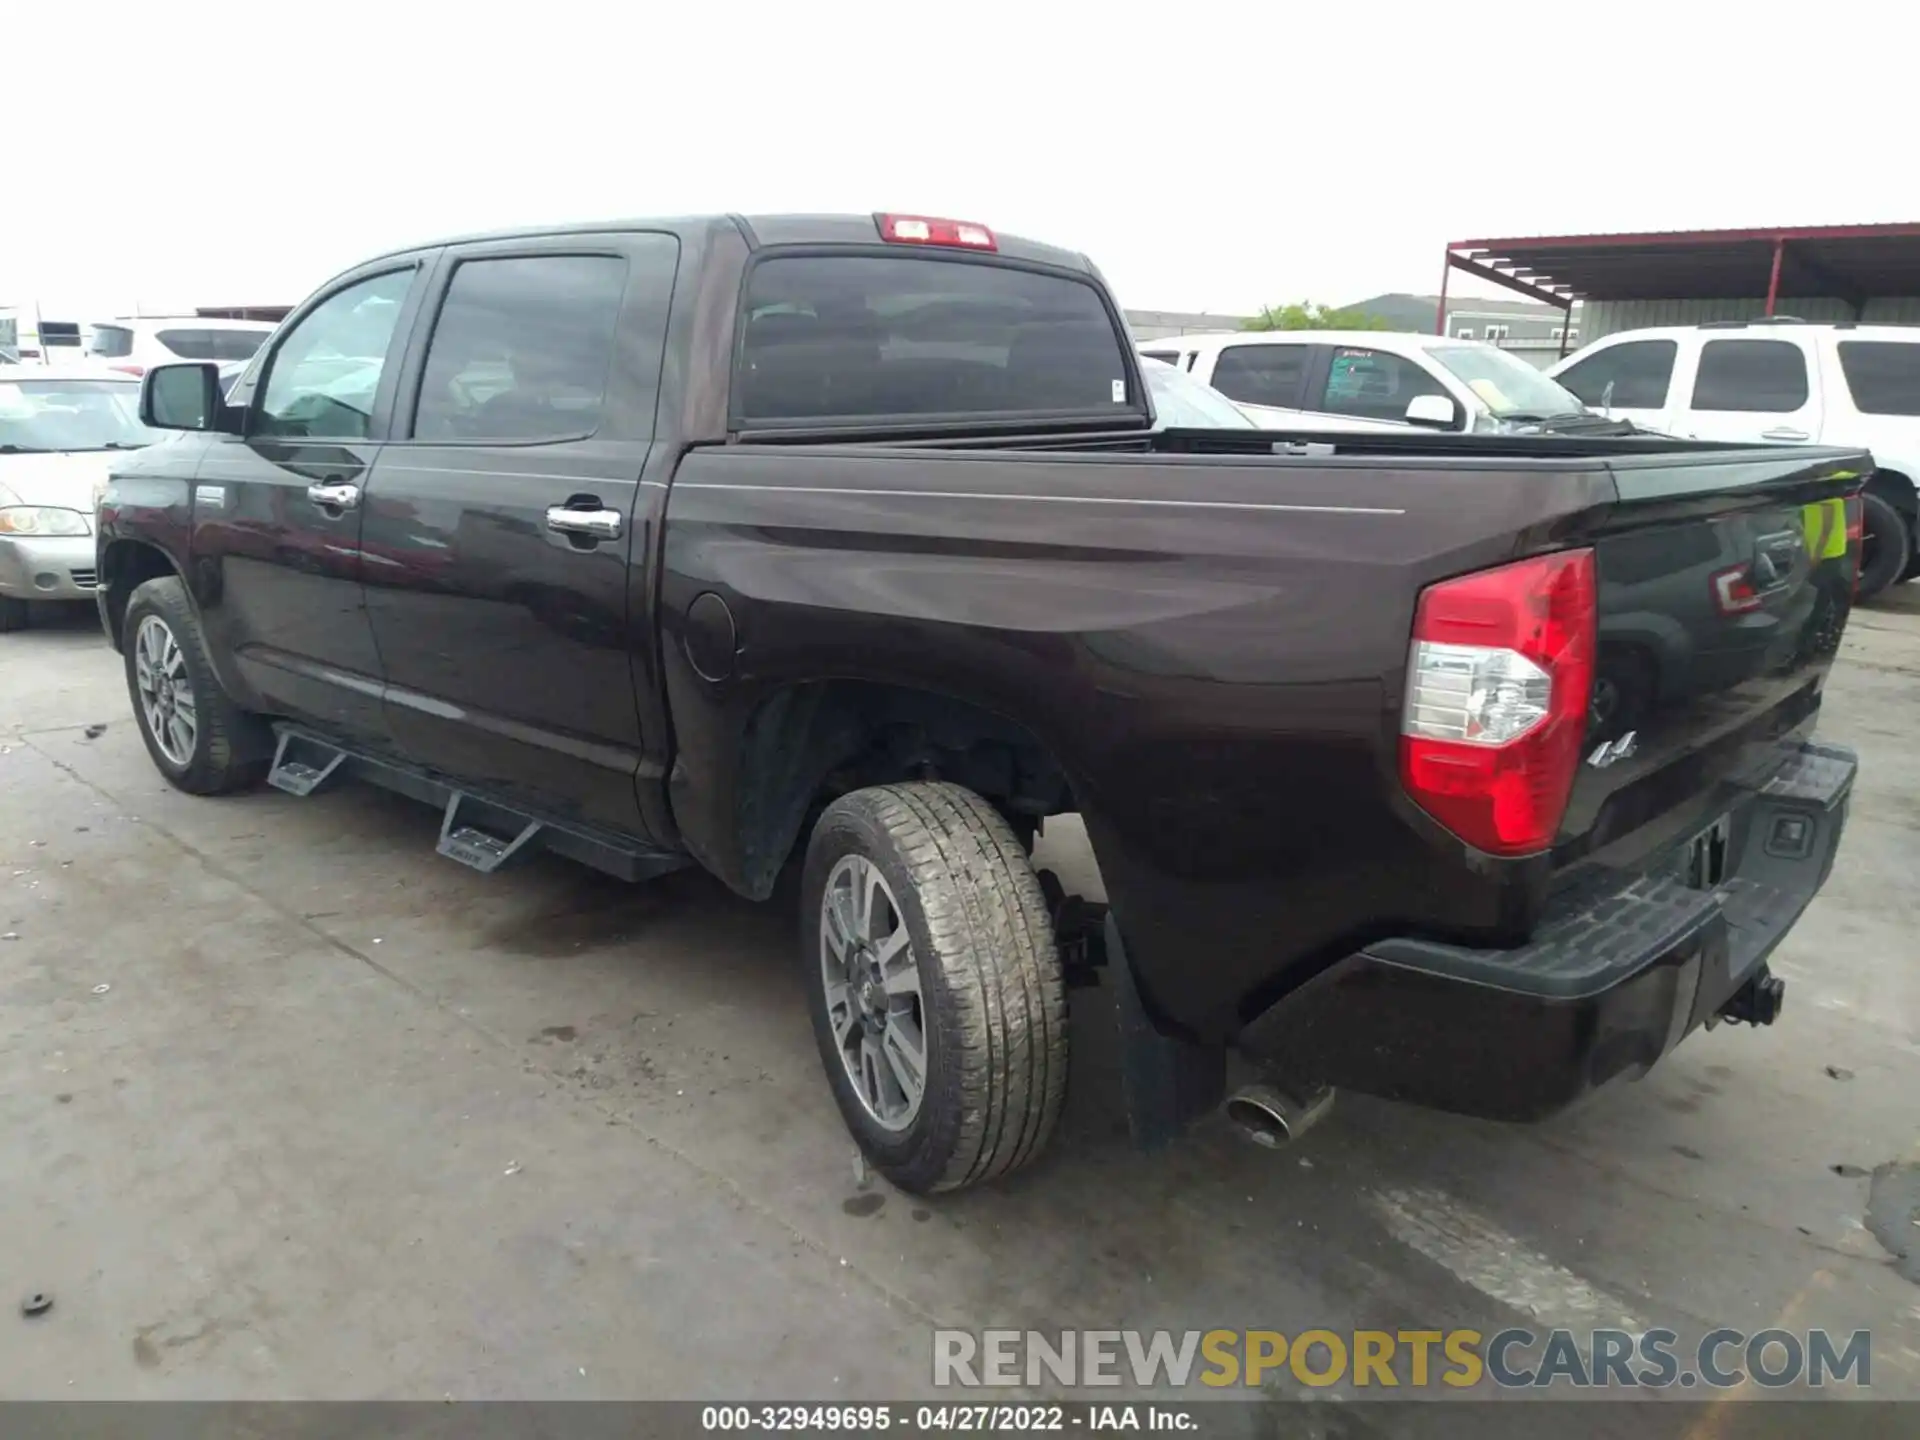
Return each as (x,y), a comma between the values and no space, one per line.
(1167,1083)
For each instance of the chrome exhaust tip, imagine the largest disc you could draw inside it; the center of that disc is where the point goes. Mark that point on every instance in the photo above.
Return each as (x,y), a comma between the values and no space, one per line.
(1269,1116)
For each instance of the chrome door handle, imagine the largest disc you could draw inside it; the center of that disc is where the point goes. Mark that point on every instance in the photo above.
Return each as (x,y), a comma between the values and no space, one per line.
(598,524)
(1784,432)
(338,497)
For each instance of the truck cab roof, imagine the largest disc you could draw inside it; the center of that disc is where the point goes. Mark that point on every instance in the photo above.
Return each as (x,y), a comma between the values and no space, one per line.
(760,231)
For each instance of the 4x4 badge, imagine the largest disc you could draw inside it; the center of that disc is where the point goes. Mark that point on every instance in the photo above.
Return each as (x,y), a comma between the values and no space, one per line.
(1608,751)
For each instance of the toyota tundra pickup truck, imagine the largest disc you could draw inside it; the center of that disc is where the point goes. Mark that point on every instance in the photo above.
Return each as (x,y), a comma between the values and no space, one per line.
(1474,771)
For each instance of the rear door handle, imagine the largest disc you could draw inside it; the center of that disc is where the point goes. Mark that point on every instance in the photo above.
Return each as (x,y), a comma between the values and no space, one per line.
(337,497)
(597,524)
(1783,432)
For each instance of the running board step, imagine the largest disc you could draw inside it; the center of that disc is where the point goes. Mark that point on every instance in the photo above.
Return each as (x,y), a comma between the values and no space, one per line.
(480,849)
(478,832)
(302,763)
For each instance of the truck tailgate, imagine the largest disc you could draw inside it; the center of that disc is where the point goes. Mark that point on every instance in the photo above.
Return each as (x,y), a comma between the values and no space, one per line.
(1724,583)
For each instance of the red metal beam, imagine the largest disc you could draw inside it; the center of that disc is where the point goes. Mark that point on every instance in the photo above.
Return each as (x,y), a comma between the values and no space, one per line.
(1773,280)
(1701,237)
(1532,292)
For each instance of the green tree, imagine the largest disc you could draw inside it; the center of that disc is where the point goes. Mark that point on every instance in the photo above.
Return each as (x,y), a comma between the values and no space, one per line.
(1306,315)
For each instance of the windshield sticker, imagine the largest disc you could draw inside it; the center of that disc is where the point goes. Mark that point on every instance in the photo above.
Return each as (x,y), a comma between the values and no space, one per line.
(1119,392)
(1495,397)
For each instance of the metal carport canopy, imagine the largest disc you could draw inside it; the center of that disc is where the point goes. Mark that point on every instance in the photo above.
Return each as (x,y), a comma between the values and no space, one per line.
(1849,263)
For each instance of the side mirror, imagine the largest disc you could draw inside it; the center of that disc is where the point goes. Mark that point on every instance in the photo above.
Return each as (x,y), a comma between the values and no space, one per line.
(181,397)
(1432,412)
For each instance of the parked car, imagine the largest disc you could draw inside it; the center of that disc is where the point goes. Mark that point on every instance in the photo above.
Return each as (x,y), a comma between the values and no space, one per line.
(58,425)
(135,345)
(867,558)
(1363,381)
(1182,402)
(1781,382)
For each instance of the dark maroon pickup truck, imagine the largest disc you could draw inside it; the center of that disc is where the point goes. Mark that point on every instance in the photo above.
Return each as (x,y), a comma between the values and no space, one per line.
(1474,771)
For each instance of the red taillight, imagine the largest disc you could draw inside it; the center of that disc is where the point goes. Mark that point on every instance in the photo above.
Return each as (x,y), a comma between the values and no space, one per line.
(1733,592)
(925,230)
(129,369)
(1498,680)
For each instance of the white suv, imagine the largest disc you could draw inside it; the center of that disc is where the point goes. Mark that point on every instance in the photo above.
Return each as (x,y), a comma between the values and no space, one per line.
(136,345)
(1784,381)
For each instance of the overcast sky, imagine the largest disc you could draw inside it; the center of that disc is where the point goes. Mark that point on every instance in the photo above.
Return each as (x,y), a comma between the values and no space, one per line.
(1207,155)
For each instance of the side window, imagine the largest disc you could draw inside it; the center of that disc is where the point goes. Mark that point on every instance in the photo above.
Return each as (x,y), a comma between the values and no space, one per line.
(110,342)
(1765,376)
(522,349)
(322,379)
(1262,374)
(1638,370)
(1373,385)
(1882,375)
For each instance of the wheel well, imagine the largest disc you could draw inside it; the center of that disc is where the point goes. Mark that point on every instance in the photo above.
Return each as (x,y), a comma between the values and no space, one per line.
(127,565)
(1897,490)
(809,744)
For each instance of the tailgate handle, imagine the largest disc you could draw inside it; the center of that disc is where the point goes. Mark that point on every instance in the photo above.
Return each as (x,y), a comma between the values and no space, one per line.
(1783,432)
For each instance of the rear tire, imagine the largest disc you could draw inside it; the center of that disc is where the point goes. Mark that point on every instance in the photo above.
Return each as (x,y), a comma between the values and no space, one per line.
(14,615)
(923,919)
(198,738)
(1889,546)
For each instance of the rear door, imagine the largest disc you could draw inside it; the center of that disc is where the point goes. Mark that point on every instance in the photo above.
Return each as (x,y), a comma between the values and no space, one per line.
(1751,388)
(500,546)
(276,513)
(1268,381)
(1627,379)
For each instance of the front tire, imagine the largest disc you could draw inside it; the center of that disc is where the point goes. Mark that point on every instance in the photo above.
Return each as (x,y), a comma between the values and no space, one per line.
(198,738)
(934,984)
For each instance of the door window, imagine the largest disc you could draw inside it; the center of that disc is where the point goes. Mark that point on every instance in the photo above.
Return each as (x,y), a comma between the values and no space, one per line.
(1762,376)
(1262,374)
(323,377)
(1639,372)
(522,349)
(1374,385)
(212,344)
(1883,375)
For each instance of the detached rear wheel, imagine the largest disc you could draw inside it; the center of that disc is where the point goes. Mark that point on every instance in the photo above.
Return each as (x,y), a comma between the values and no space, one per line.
(1886,549)
(198,738)
(934,983)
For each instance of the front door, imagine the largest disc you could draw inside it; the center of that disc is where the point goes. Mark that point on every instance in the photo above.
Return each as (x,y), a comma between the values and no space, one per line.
(1628,380)
(276,510)
(502,546)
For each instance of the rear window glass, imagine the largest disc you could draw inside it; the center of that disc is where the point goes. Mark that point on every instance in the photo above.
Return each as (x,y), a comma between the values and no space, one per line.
(212,344)
(1262,374)
(855,336)
(1764,377)
(1883,375)
(110,342)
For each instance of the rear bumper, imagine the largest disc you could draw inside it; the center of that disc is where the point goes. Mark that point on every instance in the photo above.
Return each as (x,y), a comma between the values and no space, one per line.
(1617,976)
(52,567)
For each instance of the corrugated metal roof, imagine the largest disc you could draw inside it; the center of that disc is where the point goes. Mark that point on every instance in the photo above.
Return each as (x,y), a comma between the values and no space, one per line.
(1851,263)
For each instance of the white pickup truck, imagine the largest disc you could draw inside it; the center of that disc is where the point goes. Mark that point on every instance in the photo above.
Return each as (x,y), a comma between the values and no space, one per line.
(1779,381)
(1350,381)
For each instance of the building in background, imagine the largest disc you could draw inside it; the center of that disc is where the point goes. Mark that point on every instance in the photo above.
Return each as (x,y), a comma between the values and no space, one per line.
(1529,328)
(1869,274)
(1159,324)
